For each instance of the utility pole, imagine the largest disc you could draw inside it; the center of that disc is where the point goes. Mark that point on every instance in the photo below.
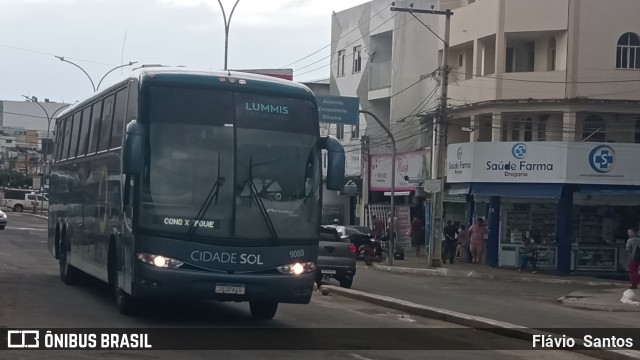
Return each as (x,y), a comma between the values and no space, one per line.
(364,160)
(392,237)
(440,124)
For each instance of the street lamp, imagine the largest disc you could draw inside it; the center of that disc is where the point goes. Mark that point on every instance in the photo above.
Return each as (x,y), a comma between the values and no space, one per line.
(95,88)
(227,23)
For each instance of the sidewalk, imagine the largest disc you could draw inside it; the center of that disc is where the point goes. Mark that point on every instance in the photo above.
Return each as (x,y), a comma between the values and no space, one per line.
(419,266)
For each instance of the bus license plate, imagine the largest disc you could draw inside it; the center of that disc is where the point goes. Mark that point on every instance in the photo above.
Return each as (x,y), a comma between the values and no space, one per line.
(237,289)
(332,272)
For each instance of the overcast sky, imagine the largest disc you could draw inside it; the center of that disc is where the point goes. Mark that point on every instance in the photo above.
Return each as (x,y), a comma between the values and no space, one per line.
(91,33)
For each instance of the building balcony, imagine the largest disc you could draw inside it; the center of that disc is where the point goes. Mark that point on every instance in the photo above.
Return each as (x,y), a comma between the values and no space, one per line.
(379,75)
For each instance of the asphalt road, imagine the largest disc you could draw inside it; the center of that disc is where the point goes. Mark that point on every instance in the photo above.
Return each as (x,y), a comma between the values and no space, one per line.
(31,295)
(526,304)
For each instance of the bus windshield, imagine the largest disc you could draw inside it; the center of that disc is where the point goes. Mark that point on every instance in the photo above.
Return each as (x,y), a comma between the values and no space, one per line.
(259,151)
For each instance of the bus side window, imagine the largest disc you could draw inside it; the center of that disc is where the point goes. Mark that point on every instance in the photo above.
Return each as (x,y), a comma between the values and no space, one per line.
(58,136)
(84,133)
(96,113)
(105,124)
(118,118)
(67,138)
(75,134)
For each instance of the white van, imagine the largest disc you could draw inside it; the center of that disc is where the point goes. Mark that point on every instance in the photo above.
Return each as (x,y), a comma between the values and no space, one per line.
(19,200)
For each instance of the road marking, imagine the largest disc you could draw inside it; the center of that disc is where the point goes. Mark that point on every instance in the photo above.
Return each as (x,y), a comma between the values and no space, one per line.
(359,357)
(29,229)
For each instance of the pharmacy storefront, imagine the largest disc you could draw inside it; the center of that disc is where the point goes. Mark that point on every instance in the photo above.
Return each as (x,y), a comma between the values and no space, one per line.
(576,199)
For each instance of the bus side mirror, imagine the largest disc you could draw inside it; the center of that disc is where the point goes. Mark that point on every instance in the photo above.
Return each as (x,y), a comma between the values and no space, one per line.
(335,162)
(133,152)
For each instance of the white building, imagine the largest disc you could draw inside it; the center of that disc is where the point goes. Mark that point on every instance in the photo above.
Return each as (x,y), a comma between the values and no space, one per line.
(388,60)
(548,94)
(29,115)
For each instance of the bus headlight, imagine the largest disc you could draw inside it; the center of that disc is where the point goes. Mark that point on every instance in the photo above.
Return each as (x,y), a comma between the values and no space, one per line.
(297,268)
(159,261)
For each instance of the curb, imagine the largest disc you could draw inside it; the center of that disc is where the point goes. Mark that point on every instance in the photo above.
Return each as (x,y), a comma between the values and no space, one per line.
(476,322)
(475,275)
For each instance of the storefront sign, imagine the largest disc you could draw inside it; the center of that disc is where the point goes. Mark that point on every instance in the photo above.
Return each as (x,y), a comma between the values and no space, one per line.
(414,165)
(548,162)
(614,164)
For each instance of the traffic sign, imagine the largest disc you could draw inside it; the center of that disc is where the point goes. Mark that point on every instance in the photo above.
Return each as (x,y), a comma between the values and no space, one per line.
(338,109)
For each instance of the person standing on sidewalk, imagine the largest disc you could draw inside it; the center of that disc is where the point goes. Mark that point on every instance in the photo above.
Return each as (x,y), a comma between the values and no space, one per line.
(417,234)
(477,232)
(449,242)
(463,241)
(530,253)
(633,247)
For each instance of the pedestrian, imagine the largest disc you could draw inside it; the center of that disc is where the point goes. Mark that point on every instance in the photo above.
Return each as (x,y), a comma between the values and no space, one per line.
(417,234)
(377,227)
(463,242)
(477,232)
(530,252)
(633,247)
(449,242)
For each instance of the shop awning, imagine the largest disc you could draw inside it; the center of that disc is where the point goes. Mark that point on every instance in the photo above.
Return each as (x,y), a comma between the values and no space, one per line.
(519,190)
(610,189)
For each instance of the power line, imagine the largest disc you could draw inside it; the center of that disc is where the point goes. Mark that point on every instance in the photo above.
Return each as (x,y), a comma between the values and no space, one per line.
(50,54)
(324,47)
(355,41)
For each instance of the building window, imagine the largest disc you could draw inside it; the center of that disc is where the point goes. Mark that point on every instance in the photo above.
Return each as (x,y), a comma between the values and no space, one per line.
(628,52)
(515,131)
(551,64)
(357,59)
(355,131)
(461,60)
(511,60)
(542,128)
(637,137)
(528,130)
(340,131)
(593,129)
(342,54)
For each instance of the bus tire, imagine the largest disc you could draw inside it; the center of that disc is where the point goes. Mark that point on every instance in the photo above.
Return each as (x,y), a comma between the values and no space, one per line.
(68,274)
(263,310)
(18,208)
(125,303)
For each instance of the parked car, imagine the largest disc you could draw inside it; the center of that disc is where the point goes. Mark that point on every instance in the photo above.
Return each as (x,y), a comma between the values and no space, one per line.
(357,235)
(336,257)
(19,200)
(3,220)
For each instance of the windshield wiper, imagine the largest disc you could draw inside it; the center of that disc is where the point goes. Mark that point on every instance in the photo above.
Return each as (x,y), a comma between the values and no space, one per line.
(211,196)
(263,210)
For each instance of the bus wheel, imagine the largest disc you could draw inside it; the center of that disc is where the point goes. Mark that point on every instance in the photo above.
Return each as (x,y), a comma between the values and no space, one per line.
(68,274)
(124,302)
(263,310)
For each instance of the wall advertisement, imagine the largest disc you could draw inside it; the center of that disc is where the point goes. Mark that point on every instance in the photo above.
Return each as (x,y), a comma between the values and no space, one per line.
(412,164)
(544,162)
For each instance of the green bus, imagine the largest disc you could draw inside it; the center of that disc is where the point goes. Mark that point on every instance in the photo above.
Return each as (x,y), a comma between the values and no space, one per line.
(184,184)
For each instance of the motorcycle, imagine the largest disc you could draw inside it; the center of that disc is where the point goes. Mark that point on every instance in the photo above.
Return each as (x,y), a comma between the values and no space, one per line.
(376,250)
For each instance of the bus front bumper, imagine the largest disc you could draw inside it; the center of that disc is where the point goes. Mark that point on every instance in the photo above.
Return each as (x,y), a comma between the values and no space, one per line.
(152,282)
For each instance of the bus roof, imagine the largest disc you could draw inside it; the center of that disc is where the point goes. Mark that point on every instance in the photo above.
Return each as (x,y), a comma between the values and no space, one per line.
(165,74)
